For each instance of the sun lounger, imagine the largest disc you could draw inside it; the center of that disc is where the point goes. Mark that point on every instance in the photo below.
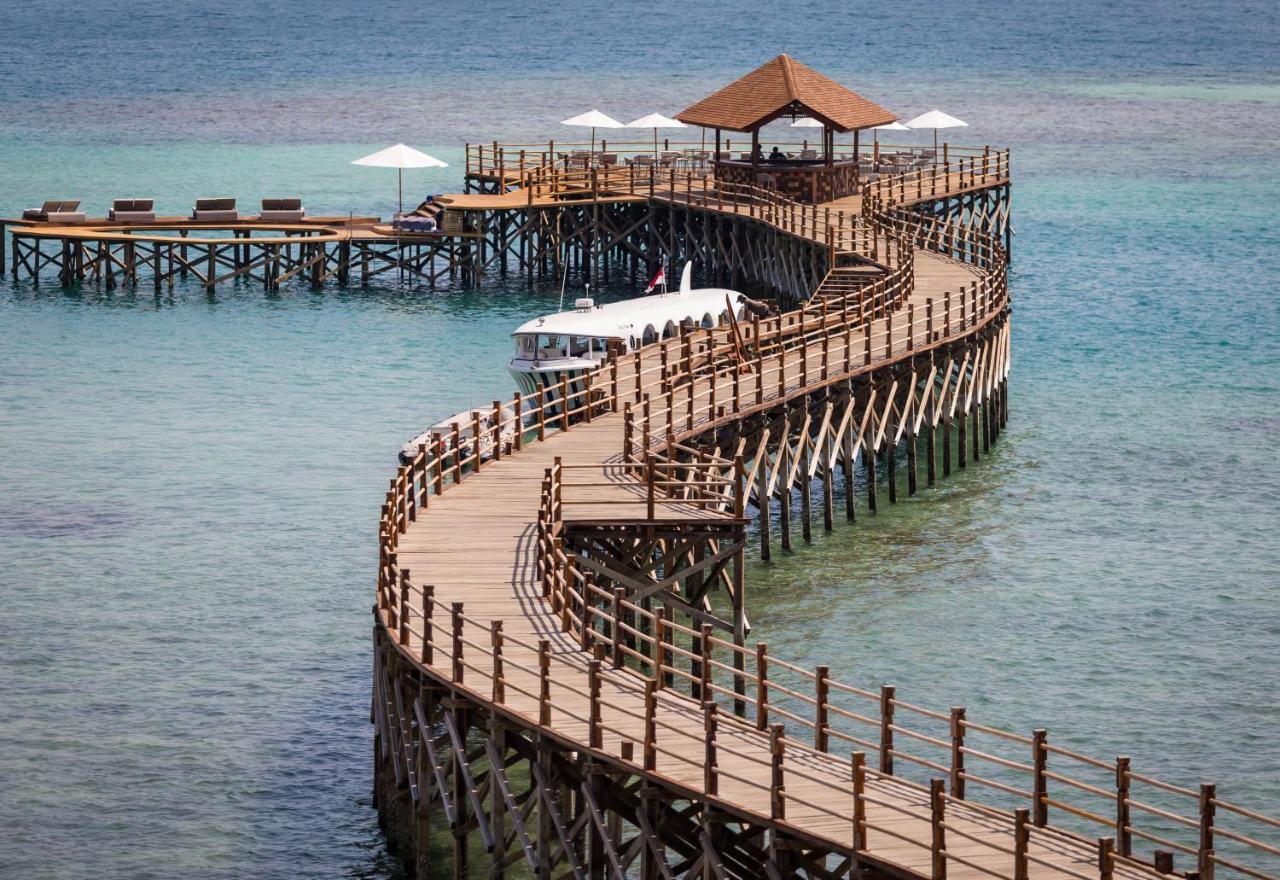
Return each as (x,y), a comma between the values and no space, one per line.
(132,211)
(215,209)
(59,211)
(282,210)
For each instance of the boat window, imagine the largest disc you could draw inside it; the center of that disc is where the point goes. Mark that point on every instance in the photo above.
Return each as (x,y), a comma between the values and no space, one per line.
(579,346)
(669,330)
(650,334)
(550,346)
(708,321)
(527,346)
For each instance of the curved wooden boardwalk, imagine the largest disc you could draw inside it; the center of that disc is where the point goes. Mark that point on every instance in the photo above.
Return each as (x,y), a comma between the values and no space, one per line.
(477,598)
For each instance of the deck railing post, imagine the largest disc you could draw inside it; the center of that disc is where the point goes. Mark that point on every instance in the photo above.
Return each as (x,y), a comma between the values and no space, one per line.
(704,663)
(957,752)
(1106,861)
(821,688)
(858,768)
(456,620)
(886,729)
(711,778)
(544,682)
(457,452)
(650,745)
(475,439)
(497,430)
(594,735)
(404,606)
(564,402)
(437,446)
(1039,784)
(1204,855)
(495,639)
(628,427)
(1124,839)
(665,635)
(1021,838)
(619,593)
(937,813)
(762,686)
(428,633)
(777,793)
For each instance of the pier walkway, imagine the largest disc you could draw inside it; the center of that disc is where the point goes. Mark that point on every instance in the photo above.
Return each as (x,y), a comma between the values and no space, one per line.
(481,600)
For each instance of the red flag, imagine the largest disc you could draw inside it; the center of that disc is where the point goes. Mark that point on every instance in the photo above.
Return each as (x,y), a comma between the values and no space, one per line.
(660,278)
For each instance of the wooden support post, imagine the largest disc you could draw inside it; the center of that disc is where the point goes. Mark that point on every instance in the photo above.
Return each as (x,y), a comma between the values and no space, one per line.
(704,663)
(887,693)
(495,639)
(456,620)
(649,748)
(957,752)
(858,767)
(869,461)
(1039,784)
(784,494)
(711,776)
(595,736)
(763,502)
(806,492)
(777,794)
(821,689)
(619,594)
(762,686)
(937,812)
(403,616)
(1106,862)
(931,454)
(544,682)
(428,624)
(1204,854)
(1021,840)
(828,496)
(665,638)
(891,464)
(1124,838)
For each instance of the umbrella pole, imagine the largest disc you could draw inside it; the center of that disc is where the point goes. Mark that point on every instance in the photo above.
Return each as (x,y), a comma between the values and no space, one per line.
(400,181)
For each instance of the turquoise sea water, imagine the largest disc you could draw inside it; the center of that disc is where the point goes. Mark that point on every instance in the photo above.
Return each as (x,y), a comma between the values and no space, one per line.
(189,485)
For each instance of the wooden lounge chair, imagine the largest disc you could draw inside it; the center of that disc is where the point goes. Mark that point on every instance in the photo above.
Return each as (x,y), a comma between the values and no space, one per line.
(132,211)
(282,210)
(58,211)
(215,209)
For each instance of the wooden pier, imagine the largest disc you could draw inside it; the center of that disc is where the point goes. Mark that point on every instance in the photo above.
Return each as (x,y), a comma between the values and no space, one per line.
(563,675)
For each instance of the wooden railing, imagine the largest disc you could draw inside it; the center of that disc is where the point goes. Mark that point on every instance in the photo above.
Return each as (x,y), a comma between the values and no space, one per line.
(509,159)
(863,746)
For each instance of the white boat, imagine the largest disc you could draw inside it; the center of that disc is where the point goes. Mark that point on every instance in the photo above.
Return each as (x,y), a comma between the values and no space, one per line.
(573,342)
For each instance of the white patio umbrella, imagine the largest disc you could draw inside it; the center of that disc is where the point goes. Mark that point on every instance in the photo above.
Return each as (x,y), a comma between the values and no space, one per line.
(935,119)
(400,157)
(892,126)
(655,121)
(592,119)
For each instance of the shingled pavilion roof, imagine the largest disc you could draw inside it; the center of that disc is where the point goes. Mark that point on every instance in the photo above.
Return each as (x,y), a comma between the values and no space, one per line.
(784,87)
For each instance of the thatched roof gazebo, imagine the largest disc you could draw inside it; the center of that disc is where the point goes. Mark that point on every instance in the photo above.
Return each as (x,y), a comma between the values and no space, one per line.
(779,89)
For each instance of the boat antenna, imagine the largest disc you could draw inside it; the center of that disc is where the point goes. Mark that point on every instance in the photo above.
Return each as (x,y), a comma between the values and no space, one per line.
(564,279)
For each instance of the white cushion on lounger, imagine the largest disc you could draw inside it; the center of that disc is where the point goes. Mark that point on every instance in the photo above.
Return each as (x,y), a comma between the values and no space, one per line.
(133,216)
(282,216)
(66,217)
(216,215)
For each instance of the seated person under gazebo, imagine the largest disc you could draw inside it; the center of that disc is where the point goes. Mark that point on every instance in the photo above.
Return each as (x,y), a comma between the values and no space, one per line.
(780,89)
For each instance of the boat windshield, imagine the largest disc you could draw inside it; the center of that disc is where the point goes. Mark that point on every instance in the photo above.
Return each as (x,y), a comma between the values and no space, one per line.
(532,346)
